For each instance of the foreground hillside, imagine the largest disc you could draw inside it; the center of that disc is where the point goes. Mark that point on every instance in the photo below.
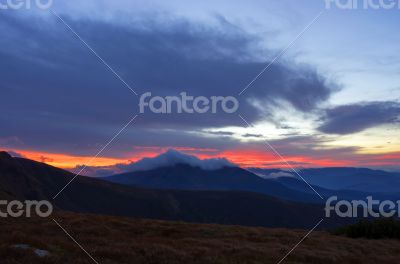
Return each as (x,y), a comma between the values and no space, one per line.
(122,240)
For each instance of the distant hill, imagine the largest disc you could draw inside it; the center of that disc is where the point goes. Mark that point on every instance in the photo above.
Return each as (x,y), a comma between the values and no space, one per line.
(301,186)
(26,179)
(188,177)
(353,179)
(273,182)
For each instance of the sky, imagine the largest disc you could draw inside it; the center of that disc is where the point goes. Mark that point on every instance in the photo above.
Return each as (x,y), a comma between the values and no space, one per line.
(331,99)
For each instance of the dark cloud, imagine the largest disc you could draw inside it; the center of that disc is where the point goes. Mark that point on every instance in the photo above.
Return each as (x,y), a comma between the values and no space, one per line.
(252,136)
(219,133)
(348,119)
(57,95)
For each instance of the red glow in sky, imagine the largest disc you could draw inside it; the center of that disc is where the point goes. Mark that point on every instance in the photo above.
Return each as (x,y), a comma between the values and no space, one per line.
(244,158)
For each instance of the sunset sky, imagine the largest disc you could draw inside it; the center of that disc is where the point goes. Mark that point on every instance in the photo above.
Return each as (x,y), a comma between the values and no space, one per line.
(332,99)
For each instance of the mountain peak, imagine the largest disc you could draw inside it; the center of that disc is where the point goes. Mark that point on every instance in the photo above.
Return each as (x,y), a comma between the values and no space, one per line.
(173,157)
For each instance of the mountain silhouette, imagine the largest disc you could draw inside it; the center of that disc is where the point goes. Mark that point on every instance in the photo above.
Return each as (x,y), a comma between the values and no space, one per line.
(350,179)
(187,177)
(25,179)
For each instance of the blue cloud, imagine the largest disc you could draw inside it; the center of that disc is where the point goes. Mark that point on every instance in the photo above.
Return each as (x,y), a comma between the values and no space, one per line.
(353,118)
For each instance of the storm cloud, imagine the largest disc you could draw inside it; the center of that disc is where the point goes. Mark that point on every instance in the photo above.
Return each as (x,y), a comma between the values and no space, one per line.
(349,119)
(63,97)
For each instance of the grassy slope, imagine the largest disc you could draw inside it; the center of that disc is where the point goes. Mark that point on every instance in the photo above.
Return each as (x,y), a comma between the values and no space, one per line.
(123,240)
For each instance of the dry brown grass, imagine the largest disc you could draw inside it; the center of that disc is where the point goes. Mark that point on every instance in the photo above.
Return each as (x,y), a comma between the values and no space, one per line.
(123,240)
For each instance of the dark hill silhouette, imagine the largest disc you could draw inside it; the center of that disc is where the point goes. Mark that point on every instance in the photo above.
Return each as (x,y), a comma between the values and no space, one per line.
(351,179)
(26,179)
(187,177)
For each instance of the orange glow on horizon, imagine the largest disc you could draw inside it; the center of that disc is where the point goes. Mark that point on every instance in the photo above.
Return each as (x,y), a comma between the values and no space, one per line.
(264,159)
(66,161)
(244,158)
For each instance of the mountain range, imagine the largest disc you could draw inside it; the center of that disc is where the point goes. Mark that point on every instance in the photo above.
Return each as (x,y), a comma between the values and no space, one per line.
(24,179)
(352,179)
(175,170)
(183,191)
(186,177)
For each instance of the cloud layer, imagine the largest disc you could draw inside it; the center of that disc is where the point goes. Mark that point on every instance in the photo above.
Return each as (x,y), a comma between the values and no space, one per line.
(348,119)
(173,157)
(167,159)
(67,99)
(58,98)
